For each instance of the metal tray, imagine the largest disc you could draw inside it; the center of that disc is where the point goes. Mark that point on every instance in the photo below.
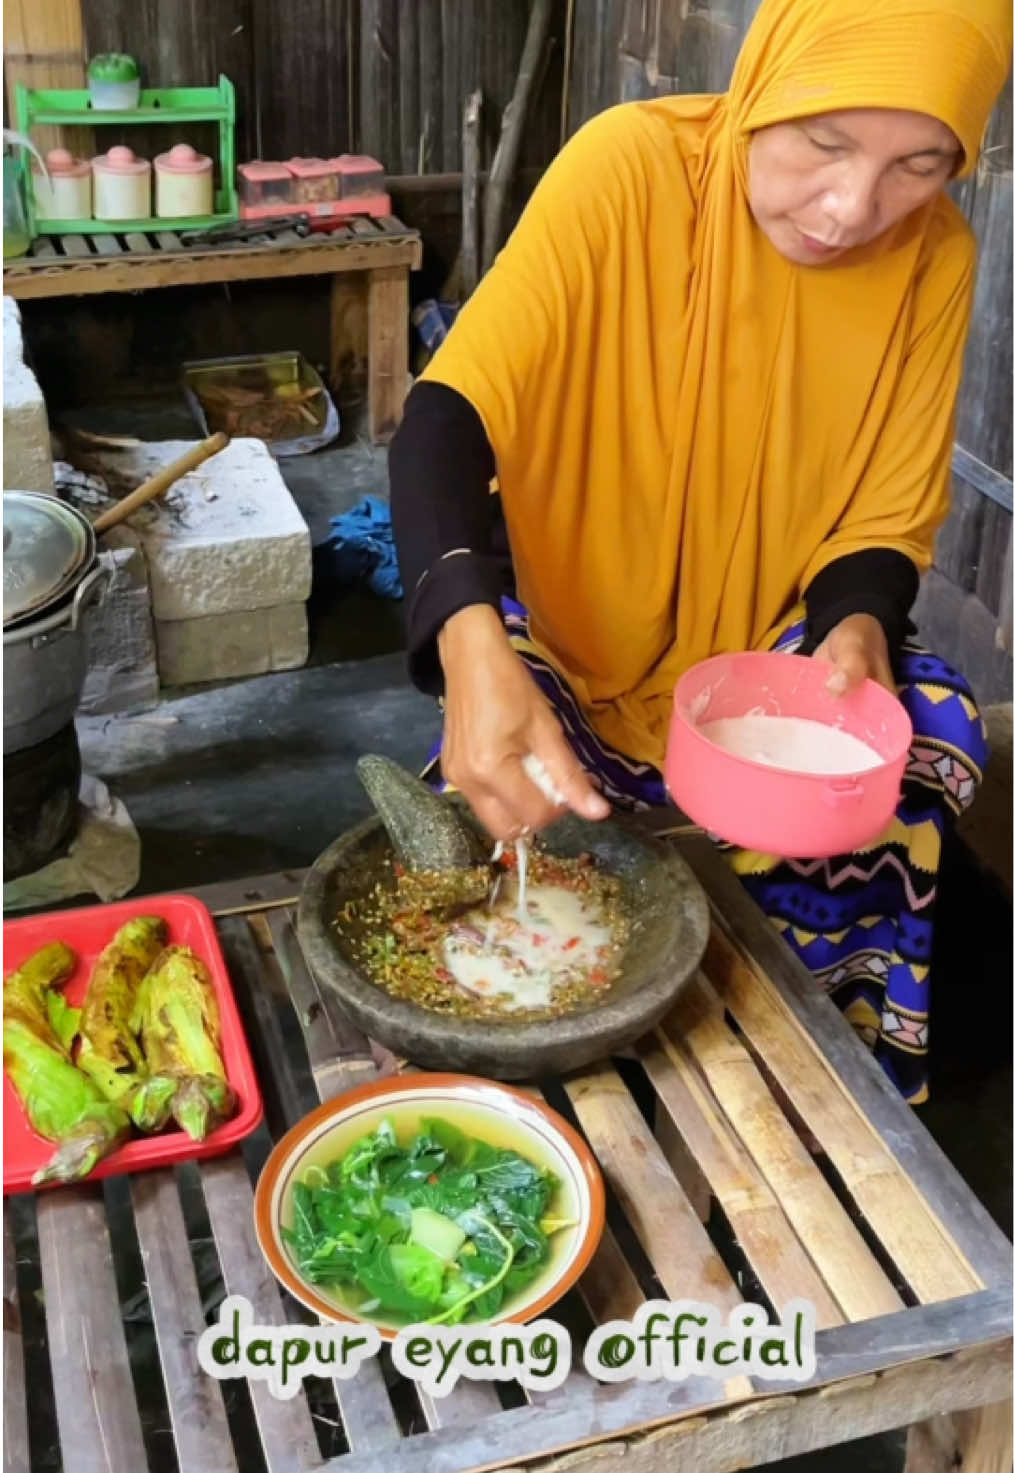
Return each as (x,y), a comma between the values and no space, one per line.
(260,371)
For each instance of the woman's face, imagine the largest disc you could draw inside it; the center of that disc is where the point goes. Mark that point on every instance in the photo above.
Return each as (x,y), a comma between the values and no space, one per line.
(821,186)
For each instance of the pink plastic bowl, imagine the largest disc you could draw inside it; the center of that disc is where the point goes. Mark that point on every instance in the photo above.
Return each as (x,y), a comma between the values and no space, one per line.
(795,815)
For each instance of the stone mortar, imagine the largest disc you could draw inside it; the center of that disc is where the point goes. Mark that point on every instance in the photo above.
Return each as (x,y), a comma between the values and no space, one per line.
(669,931)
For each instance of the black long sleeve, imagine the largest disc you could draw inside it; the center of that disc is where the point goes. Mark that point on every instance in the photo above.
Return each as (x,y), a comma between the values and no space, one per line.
(877,581)
(448,528)
(453,549)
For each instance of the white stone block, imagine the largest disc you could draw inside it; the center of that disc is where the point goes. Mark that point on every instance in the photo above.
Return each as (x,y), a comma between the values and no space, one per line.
(224,646)
(227,538)
(28,459)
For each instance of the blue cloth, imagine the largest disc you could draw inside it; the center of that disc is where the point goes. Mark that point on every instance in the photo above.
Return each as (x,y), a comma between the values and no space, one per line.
(433,321)
(360,548)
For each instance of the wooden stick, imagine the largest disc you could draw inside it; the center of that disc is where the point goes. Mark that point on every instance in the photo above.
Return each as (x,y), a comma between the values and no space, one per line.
(160,482)
(512,131)
(470,195)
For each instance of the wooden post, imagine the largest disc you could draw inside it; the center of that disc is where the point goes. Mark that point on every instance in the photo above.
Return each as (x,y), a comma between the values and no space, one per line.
(408,83)
(388,349)
(512,131)
(978,1441)
(44,47)
(349,345)
(470,195)
(431,90)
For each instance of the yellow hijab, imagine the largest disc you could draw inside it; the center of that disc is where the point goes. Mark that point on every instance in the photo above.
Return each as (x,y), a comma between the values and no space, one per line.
(687,427)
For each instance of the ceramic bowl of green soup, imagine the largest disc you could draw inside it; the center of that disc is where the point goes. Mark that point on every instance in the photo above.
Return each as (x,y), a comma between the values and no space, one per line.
(440,1199)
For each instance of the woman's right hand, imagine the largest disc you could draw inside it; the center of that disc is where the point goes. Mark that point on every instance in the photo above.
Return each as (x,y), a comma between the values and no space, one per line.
(494,716)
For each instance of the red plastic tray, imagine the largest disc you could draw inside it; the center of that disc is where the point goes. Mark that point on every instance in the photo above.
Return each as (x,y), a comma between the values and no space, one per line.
(88,932)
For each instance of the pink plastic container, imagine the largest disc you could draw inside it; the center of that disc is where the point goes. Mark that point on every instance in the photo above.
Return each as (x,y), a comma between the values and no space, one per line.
(316,180)
(359,175)
(795,815)
(265,183)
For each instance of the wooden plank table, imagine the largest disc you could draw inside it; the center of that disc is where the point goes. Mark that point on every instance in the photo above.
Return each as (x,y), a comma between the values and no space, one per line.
(716,1192)
(381,251)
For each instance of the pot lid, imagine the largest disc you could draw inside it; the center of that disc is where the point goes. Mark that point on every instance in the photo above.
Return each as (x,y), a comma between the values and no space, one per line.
(63,165)
(182,159)
(44,543)
(121,160)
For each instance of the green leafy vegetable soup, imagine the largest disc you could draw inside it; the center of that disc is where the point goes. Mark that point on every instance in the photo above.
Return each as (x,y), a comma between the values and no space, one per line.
(429,1219)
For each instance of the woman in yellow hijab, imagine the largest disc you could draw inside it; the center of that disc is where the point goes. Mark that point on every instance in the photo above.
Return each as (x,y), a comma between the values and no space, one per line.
(713,378)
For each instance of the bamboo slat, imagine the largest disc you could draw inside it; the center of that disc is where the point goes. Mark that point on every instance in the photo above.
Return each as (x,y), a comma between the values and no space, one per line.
(196,1407)
(76,247)
(96,1408)
(873,1100)
(655,1205)
(609,1285)
(340,1055)
(15,1425)
(853,1277)
(106,245)
(915,1239)
(285,1427)
(763,1229)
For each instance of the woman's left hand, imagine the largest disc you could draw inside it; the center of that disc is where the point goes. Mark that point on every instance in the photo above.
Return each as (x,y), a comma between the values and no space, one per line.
(857,648)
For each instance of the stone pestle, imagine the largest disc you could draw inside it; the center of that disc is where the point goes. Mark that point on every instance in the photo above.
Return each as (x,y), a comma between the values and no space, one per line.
(426,831)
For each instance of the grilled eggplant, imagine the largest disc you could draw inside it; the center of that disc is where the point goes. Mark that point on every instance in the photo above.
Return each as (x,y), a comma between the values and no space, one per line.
(61,1102)
(109,1052)
(177,1018)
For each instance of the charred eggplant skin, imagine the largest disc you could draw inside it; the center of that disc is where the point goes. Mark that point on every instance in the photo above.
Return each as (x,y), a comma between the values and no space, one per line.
(109,1052)
(61,1102)
(177,1018)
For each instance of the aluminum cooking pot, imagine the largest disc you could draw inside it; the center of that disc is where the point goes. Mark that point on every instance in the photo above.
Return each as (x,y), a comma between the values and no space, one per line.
(48,547)
(44,665)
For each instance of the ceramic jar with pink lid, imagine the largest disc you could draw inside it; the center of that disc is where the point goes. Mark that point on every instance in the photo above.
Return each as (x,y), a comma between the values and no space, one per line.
(183,183)
(122,184)
(67,193)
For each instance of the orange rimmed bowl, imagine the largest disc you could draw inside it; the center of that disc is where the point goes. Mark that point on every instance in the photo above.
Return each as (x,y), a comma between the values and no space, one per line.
(495,1113)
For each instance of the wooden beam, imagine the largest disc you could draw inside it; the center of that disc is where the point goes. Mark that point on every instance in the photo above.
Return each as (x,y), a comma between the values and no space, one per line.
(977,1441)
(127,273)
(871,1377)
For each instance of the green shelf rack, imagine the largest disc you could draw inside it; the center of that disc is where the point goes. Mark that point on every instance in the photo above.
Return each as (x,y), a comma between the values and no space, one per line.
(67,107)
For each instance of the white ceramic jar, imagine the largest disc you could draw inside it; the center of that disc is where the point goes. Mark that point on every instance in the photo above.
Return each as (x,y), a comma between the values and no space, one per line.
(67,195)
(183,183)
(122,184)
